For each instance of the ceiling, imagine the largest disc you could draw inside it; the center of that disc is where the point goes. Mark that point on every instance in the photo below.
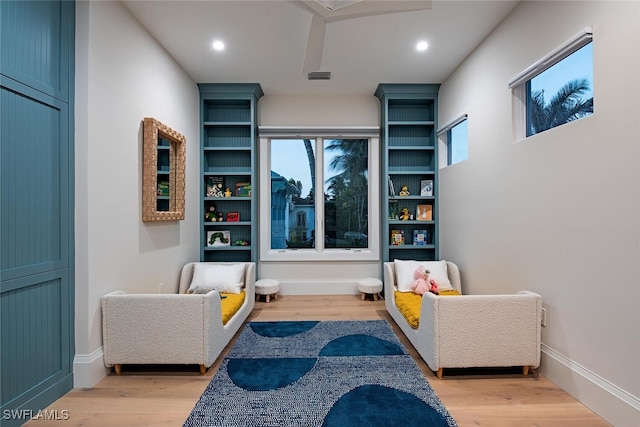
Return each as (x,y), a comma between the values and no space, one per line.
(277,42)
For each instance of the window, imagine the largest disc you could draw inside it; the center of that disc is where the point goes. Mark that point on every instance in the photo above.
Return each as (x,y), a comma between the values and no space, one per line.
(556,90)
(323,198)
(456,140)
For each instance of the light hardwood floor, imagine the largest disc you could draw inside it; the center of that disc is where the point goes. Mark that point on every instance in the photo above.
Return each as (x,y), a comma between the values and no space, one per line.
(164,396)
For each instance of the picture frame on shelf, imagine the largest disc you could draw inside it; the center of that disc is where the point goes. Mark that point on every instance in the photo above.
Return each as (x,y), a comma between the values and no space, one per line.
(426,187)
(420,237)
(397,237)
(218,238)
(163,188)
(424,213)
(243,189)
(215,186)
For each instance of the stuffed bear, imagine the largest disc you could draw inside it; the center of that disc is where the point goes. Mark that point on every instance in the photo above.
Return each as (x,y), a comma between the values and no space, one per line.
(405,215)
(422,283)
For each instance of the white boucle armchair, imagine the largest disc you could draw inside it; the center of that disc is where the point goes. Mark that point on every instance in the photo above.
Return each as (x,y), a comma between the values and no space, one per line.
(171,328)
(471,330)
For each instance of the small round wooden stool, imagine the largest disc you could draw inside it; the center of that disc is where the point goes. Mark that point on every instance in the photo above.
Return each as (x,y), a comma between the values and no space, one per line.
(268,288)
(370,286)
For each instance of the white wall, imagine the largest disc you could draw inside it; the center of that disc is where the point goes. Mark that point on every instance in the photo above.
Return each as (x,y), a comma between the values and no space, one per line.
(559,213)
(122,76)
(313,277)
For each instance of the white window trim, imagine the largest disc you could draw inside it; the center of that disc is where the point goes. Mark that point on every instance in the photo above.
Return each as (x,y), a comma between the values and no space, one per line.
(579,40)
(518,83)
(327,254)
(453,123)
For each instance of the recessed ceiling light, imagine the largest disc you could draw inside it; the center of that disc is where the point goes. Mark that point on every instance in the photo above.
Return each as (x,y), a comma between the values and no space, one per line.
(218,45)
(422,46)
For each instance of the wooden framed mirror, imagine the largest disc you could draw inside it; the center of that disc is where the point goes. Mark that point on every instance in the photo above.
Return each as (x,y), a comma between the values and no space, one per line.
(163,172)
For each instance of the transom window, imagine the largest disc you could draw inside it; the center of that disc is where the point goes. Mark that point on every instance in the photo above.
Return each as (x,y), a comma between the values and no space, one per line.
(455,136)
(556,90)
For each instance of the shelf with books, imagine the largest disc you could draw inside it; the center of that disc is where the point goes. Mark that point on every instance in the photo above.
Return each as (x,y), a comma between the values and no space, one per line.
(228,169)
(409,153)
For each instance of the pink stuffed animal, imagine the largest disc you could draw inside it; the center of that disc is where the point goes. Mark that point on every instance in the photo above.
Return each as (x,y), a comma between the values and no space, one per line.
(422,283)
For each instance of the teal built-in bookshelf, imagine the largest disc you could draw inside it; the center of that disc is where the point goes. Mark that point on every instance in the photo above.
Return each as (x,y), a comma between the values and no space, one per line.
(409,219)
(228,164)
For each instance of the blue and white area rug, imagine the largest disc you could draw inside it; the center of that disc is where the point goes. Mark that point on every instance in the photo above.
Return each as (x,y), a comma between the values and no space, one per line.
(337,373)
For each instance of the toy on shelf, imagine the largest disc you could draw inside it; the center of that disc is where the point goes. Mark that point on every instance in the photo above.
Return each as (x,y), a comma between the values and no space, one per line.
(213,215)
(404,191)
(404,214)
(227,192)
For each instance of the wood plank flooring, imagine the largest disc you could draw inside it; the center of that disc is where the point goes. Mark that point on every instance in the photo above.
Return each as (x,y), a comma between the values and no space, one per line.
(164,396)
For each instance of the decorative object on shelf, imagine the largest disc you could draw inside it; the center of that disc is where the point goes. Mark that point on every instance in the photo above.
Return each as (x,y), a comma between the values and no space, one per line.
(243,189)
(404,191)
(392,191)
(227,192)
(241,243)
(405,215)
(233,216)
(424,212)
(218,238)
(157,138)
(213,215)
(397,237)
(393,209)
(215,184)
(163,188)
(426,187)
(420,237)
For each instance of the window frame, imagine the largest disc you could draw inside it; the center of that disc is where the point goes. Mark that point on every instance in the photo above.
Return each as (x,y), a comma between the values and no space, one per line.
(320,253)
(444,134)
(519,84)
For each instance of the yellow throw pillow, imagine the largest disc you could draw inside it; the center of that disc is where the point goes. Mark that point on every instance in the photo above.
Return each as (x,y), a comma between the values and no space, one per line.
(231,303)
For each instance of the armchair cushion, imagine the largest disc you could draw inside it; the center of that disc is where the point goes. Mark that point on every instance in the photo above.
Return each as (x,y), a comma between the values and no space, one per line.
(437,271)
(223,278)
(231,303)
(410,304)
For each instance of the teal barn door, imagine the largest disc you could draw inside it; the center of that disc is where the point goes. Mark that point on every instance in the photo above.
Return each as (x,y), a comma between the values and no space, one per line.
(36,206)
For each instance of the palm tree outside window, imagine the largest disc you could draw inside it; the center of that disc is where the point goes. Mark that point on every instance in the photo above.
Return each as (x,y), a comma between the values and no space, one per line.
(562,93)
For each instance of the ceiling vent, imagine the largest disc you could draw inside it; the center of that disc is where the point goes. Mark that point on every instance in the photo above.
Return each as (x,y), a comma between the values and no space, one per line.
(336,4)
(319,75)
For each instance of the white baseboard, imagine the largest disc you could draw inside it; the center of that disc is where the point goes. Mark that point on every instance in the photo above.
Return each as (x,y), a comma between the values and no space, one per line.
(324,287)
(610,402)
(89,369)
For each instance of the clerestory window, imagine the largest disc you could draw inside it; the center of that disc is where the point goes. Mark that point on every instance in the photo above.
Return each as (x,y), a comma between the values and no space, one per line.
(455,137)
(556,90)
